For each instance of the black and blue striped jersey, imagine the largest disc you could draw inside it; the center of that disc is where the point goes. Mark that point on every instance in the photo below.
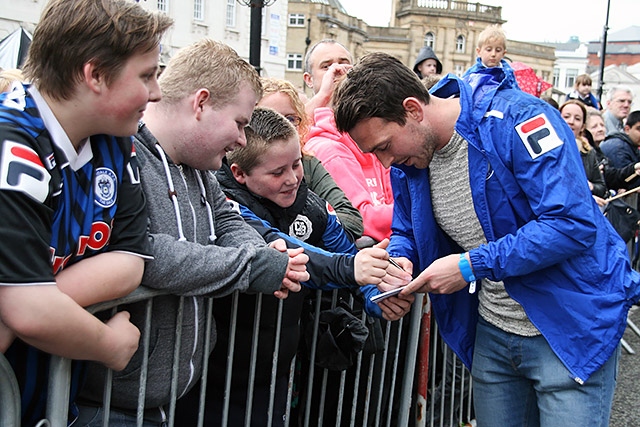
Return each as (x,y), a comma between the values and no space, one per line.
(54,215)
(57,210)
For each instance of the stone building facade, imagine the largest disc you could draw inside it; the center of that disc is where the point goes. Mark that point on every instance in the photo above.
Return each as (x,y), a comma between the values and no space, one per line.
(450,27)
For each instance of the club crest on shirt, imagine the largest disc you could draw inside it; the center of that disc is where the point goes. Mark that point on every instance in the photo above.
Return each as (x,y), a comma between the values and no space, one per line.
(105,187)
(538,135)
(301,228)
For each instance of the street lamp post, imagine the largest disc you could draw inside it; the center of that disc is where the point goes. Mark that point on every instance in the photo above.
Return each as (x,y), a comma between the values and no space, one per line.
(307,42)
(255,33)
(603,54)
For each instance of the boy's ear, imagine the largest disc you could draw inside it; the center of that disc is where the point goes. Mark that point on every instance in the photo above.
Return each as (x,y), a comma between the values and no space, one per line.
(238,173)
(93,78)
(201,97)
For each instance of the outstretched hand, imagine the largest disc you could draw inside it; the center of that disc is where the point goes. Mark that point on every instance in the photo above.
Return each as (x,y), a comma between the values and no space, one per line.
(371,264)
(296,269)
(396,277)
(441,277)
(335,73)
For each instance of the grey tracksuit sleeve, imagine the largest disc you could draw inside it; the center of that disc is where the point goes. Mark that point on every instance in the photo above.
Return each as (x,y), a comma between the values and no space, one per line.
(200,246)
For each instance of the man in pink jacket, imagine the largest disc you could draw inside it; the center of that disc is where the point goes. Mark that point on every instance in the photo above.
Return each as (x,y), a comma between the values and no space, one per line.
(360,175)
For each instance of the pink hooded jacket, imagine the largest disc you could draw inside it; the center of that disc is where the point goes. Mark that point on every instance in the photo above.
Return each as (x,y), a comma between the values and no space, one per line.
(360,175)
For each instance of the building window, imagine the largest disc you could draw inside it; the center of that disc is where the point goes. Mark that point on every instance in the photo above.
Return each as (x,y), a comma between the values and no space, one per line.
(296,19)
(460,44)
(294,61)
(429,40)
(198,10)
(459,70)
(570,79)
(231,13)
(162,5)
(556,77)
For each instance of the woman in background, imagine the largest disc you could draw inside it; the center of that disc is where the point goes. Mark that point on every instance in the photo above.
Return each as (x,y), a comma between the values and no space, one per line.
(574,114)
(621,179)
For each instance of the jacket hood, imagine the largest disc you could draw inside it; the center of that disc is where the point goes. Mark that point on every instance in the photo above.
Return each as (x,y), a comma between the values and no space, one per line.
(622,136)
(474,99)
(324,125)
(279,217)
(146,138)
(427,53)
(485,83)
(325,128)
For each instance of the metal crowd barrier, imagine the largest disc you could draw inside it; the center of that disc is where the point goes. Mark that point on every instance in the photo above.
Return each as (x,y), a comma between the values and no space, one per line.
(9,395)
(414,381)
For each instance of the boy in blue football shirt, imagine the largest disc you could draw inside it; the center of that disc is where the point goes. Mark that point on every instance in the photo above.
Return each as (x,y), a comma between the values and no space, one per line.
(74,226)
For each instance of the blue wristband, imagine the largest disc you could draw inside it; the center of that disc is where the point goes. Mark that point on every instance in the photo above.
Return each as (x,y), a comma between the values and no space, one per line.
(465,269)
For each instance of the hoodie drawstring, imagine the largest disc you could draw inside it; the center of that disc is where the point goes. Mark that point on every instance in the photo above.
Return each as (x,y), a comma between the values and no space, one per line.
(173,195)
(203,199)
(172,192)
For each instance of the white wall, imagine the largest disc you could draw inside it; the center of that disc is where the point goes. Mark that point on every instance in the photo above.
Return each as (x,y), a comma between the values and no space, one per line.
(186,30)
(570,61)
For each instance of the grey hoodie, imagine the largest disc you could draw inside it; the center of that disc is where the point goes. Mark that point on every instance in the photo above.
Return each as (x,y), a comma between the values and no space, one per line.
(201,248)
(426,53)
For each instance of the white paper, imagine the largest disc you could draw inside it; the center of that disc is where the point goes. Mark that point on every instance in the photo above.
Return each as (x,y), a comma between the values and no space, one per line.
(385,295)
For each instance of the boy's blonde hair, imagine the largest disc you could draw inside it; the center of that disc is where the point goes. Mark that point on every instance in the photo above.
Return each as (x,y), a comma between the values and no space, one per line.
(72,33)
(492,32)
(211,65)
(9,76)
(266,127)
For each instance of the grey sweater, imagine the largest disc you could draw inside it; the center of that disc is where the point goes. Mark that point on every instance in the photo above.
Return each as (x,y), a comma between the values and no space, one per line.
(210,251)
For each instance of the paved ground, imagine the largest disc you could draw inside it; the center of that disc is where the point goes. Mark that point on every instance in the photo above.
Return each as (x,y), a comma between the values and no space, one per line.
(626,403)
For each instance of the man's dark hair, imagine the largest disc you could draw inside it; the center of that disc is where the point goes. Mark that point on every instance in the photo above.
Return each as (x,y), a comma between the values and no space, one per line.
(376,87)
(632,118)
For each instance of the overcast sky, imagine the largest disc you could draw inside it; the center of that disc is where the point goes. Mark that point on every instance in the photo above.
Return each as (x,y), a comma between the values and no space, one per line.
(535,21)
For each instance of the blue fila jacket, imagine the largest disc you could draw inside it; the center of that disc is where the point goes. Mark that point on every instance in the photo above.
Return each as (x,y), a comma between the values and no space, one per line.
(557,255)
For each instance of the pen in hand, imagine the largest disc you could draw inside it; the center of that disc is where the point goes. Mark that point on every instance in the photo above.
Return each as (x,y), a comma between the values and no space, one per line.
(392,292)
(395,264)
